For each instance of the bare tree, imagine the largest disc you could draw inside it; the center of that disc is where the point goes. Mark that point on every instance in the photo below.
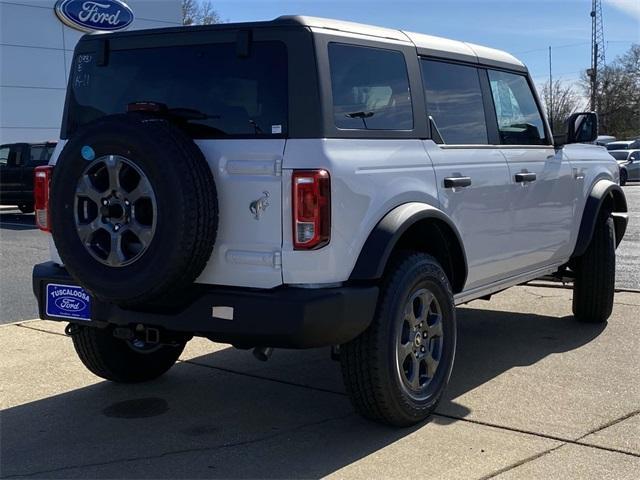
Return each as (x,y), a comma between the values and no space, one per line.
(618,95)
(196,12)
(560,101)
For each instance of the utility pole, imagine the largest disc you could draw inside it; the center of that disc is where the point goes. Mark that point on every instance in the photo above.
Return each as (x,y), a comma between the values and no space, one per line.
(597,49)
(550,93)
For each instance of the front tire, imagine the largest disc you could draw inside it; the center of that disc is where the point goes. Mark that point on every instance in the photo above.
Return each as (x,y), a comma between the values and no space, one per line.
(119,360)
(595,274)
(397,370)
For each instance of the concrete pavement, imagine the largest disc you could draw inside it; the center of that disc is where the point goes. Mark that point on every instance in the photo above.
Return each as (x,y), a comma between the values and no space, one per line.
(534,394)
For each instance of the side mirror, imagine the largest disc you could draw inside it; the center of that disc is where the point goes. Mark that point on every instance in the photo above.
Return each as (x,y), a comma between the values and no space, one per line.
(581,128)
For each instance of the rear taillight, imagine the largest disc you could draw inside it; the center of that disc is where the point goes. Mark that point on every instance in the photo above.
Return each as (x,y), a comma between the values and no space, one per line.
(311,198)
(41,182)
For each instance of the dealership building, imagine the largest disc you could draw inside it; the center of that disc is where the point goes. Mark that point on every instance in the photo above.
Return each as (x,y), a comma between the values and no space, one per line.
(37,38)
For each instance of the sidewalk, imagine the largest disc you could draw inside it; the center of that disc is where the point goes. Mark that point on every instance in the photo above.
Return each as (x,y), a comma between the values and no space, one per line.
(533,395)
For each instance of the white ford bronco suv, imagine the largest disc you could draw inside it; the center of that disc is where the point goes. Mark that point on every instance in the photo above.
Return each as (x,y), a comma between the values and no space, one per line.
(305,182)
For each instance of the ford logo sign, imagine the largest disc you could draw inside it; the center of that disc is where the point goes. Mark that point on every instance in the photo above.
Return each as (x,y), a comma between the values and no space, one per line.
(70,304)
(94,15)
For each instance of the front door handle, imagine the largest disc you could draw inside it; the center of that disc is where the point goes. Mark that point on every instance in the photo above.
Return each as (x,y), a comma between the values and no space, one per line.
(457,182)
(525,177)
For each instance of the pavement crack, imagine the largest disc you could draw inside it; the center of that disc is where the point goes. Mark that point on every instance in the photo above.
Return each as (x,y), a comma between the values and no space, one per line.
(521,462)
(170,453)
(22,325)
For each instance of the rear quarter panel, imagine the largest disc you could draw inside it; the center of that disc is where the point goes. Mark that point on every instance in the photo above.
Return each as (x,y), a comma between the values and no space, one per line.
(368,179)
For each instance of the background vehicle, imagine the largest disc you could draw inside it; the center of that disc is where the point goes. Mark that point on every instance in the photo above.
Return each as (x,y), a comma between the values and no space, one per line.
(604,139)
(17,163)
(623,145)
(309,182)
(629,162)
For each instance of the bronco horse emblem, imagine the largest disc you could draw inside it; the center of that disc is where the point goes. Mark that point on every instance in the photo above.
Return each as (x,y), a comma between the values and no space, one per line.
(258,206)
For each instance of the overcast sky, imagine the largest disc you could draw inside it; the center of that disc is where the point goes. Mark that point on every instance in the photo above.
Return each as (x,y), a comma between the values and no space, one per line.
(525,28)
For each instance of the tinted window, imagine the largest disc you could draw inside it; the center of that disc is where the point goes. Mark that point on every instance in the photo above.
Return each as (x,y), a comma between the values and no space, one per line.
(519,120)
(454,101)
(618,145)
(209,88)
(370,88)
(4,156)
(38,153)
(619,155)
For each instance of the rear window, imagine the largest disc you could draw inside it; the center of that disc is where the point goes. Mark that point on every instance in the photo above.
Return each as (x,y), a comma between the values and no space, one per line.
(618,145)
(620,155)
(41,154)
(209,88)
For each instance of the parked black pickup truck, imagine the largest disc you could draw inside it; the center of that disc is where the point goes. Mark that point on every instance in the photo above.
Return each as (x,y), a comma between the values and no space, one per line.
(17,162)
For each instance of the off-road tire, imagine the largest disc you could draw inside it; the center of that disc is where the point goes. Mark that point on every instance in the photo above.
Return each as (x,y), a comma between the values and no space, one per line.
(623,177)
(187,210)
(26,208)
(114,359)
(367,362)
(595,274)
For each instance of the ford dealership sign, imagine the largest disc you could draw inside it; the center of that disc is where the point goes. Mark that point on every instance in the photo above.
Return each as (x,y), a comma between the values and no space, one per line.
(94,15)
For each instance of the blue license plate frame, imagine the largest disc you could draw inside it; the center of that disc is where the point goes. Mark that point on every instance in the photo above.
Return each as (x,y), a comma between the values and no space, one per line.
(67,301)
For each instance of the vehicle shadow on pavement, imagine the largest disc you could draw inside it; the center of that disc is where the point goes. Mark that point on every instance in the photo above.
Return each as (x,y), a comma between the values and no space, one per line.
(17,221)
(217,416)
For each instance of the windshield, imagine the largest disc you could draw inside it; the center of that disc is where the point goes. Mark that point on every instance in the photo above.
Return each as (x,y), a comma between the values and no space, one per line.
(214,92)
(619,155)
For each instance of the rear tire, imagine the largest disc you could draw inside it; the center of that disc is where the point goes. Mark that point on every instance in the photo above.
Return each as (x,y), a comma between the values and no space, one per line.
(118,360)
(595,274)
(397,370)
(623,177)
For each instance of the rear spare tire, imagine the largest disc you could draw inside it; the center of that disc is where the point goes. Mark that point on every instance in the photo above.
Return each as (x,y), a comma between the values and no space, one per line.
(133,209)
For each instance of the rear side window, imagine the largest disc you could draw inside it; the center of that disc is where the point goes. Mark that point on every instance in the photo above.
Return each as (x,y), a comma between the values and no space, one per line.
(454,101)
(370,88)
(209,89)
(519,120)
(4,156)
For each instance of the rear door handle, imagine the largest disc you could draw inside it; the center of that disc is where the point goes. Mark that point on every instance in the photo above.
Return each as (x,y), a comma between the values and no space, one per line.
(457,182)
(525,177)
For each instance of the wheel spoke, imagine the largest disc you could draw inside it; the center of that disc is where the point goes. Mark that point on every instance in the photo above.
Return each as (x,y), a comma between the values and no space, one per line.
(435,330)
(113,167)
(86,189)
(86,231)
(426,297)
(116,255)
(143,232)
(432,365)
(409,315)
(415,372)
(142,190)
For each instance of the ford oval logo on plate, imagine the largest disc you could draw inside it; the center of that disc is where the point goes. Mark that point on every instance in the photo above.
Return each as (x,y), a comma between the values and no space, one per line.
(94,15)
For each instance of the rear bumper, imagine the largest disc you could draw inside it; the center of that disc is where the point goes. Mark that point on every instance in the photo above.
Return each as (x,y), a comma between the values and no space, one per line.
(284,317)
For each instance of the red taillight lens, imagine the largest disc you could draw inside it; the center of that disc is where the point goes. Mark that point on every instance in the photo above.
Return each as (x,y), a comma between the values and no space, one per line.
(311,199)
(41,182)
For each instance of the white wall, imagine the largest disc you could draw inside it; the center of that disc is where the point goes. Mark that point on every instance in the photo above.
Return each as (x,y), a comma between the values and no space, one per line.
(36,50)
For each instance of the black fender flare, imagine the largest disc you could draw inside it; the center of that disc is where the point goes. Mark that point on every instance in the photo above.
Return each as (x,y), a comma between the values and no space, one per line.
(603,192)
(385,235)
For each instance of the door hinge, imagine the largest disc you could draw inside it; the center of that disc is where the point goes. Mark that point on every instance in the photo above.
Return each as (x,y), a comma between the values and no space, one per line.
(277,167)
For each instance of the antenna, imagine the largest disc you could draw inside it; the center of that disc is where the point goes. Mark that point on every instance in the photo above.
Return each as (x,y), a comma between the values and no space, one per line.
(597,48)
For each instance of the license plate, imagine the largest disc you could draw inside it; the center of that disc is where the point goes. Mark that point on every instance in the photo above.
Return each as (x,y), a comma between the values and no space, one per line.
(68,301)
